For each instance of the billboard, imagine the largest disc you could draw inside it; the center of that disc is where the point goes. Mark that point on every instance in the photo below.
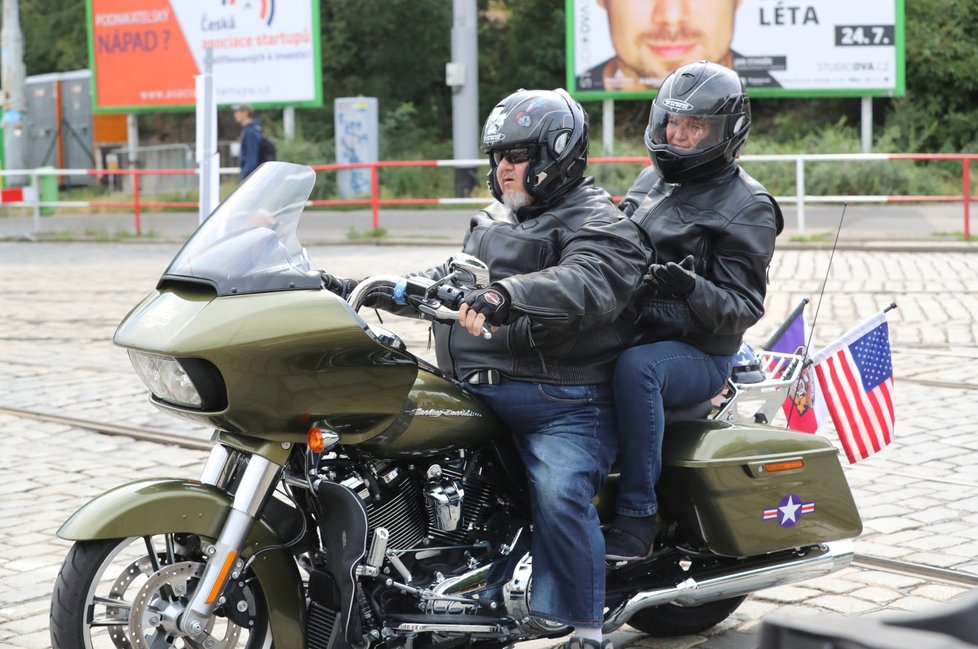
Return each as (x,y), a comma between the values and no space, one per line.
(144,54)
(625,48)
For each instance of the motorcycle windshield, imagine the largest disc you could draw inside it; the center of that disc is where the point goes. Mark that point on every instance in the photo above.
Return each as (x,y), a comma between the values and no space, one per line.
(249,243)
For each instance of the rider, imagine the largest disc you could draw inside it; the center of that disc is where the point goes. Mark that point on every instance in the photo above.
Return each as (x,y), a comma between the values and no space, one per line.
(561,259)
(713,228)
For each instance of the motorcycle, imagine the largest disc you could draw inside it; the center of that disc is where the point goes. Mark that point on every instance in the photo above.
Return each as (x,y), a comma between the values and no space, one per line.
(357,496)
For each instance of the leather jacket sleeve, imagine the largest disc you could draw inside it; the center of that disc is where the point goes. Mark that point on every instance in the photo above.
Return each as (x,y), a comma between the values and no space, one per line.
(599,264)
(732,299)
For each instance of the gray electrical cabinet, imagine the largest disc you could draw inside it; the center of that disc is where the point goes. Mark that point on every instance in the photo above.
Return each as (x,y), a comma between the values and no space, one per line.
(42,121)
(76,124)
(59,124)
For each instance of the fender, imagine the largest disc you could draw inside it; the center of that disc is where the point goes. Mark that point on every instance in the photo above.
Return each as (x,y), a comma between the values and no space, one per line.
(158,506)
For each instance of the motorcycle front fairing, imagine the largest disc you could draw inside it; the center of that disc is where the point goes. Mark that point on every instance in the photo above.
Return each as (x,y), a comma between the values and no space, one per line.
(242,311)
(264,351)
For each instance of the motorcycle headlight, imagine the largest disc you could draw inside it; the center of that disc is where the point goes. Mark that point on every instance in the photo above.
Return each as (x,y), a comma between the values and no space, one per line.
(189,382)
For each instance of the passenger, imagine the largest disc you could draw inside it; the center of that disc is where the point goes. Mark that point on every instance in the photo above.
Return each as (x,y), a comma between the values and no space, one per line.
(563,262)
(713,228)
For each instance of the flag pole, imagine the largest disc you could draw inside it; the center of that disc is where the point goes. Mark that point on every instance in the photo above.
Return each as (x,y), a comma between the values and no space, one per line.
(825,280)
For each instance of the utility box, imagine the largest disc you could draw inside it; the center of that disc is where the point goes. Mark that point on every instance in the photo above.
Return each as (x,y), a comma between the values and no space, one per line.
(62,131)
(356,141)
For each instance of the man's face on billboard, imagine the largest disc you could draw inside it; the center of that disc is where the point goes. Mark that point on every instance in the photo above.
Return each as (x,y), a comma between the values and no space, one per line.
(654,37)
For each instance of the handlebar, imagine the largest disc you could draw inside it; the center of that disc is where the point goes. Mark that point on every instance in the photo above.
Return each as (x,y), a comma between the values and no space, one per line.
(431,299)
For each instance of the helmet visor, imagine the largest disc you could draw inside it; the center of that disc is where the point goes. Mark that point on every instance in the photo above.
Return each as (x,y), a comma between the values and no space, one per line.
(686,134)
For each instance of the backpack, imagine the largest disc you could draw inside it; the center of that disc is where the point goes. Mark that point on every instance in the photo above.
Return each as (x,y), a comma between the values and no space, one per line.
(266,150)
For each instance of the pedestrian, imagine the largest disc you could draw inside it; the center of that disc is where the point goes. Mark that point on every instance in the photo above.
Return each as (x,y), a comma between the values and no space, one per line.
(251,139)
(713,228)
(563,262)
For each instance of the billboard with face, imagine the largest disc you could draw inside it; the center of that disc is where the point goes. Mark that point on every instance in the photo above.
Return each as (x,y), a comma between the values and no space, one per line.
(625,48)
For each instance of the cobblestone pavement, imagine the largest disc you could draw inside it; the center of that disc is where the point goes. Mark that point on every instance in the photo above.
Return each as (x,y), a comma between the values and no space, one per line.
(60,303)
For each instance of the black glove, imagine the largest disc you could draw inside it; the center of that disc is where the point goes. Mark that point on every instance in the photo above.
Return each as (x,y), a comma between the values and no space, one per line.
(678,279)
(380,298)
(493,303)
(338,285)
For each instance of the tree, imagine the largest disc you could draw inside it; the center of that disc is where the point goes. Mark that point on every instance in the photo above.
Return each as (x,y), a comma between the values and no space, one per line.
(394,50)
(55,37)
(939,112)
(521,45)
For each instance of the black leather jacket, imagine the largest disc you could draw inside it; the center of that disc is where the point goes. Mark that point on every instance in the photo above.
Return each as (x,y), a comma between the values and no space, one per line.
(729,224)
(570,268)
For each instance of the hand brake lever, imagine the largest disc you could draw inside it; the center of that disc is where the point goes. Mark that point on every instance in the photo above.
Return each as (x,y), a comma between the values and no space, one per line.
(437,311)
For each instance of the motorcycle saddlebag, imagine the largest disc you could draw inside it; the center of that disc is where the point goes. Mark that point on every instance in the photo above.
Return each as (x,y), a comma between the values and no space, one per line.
(747,491)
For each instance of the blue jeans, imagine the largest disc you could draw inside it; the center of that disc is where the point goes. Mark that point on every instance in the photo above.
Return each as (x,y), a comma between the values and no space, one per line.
(647,379)
(566,437)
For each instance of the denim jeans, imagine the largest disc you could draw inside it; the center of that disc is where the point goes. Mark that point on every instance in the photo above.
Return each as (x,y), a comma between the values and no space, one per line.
(647,379)
(566,437)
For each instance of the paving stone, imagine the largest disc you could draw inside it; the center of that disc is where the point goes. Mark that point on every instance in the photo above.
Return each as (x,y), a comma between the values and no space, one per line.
(939,592)
(845,605)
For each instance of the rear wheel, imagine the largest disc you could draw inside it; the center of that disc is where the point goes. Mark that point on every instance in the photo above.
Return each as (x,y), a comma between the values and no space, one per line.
(129,593)
(671,619)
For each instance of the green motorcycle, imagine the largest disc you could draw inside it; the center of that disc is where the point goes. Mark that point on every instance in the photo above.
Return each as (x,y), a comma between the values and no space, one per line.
(356,495)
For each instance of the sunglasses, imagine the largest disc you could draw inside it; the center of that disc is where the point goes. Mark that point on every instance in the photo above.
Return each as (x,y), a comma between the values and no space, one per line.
(513,156)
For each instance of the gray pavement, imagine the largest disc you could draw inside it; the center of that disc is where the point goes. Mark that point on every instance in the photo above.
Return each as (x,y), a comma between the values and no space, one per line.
(60,303)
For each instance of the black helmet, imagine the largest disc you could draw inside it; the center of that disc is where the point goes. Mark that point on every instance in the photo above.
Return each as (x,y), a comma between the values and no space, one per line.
(552,127)
(712,96)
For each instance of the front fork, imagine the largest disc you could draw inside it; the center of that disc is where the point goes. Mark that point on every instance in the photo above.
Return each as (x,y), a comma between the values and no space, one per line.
(224,560)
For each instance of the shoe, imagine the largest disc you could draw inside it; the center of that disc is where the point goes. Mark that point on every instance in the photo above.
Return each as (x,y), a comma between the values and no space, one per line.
(582,643)
(620,545)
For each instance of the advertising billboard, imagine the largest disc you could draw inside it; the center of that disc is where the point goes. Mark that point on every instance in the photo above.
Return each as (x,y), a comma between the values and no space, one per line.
(625,48)
(144,54)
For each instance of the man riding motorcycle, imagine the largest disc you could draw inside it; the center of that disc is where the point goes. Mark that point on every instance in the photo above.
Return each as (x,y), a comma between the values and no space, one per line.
(562,262)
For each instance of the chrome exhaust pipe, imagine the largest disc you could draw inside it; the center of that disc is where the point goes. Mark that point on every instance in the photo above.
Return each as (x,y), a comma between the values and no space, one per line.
(816,561)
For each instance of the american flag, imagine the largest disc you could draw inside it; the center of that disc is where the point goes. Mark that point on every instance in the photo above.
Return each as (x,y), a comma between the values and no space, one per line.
(855,374)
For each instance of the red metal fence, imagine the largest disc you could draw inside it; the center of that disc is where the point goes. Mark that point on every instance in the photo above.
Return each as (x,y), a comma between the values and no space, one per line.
(138,203)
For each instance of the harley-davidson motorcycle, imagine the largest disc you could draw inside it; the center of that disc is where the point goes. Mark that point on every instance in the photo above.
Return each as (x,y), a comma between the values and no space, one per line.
(357,496)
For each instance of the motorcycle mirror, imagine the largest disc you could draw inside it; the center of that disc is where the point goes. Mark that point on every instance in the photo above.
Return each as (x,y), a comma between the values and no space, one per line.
(467,267)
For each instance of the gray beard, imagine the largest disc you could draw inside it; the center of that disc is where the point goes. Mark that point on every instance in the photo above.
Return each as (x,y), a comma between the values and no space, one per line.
(516,200)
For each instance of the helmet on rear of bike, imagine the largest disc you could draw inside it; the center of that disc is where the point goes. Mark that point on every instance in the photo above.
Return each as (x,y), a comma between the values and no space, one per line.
(552,127)
(698,123)
(746,366)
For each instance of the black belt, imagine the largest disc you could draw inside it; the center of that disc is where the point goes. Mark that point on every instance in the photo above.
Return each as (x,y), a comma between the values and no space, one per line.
(483,377)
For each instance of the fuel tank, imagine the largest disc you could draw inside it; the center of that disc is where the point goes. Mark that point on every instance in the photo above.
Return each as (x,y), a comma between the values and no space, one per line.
(288,359)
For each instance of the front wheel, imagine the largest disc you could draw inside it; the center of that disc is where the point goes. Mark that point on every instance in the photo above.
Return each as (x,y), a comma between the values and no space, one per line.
(129,594)
(671,620)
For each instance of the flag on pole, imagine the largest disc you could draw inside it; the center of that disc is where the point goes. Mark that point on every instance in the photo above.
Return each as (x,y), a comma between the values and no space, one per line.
(804,409)
(791,334)
(855,374)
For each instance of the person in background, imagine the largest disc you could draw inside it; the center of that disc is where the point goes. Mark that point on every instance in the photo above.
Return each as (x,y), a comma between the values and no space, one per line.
(251,138)
(713,228)
(563,263)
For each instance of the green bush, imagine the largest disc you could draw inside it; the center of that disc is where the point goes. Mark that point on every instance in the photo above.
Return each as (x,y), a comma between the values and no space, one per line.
(834,178)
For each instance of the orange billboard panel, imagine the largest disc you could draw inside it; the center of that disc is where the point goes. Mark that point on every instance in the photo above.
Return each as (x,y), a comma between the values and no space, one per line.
(145,54)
